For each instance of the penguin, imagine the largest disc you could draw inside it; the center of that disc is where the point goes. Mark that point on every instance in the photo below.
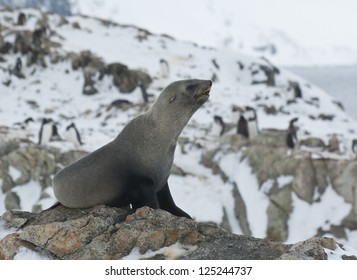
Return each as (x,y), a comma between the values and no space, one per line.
(73,136)
(46,130)
(296,89)
(21,19)
(354,147)
(214,62)
(18,65)
(164,68)
(291,137)
(218,126)
(37,36)
(251,116)
(144,92)
(55,135)
(25,124)
(242,127)
(235,113)
(247,124)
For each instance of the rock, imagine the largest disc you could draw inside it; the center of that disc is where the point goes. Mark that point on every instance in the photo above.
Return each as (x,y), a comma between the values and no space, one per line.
(295,87)
(269,159)
(12,201)
(127,80)
(313,142)
(124,79)
(71,156)
(240,211)
(278,213)
(9,246)
(305,181)
(104,233)
(311,249)
(31,163)
(333,145)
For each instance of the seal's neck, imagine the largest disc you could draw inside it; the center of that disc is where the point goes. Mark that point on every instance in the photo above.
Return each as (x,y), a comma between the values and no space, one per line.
(170,123)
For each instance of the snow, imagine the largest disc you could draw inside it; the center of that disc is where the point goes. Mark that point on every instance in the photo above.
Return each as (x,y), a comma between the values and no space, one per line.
(24,253)
(257,202)
(303,32)
(339,252)
(284,180)
(306,219)
(172,252)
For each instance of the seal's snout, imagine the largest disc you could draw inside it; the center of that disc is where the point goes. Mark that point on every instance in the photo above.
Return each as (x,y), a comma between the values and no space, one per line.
(204,90)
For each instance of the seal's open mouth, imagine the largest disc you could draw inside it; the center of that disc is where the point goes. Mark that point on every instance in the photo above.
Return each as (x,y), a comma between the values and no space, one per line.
(203,94)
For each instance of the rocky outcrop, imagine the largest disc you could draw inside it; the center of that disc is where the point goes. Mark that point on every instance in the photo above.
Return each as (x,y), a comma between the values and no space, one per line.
(42,45)
(23,163)
(105,233)
(307,172)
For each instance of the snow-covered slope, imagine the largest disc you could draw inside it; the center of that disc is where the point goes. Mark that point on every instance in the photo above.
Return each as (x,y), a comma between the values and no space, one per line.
(55,92)
(304,32)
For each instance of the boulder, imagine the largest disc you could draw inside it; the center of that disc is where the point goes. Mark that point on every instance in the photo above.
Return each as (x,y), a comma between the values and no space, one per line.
(104,233)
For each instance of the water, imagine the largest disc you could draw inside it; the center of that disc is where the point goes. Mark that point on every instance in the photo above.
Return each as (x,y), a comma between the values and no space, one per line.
(339,81)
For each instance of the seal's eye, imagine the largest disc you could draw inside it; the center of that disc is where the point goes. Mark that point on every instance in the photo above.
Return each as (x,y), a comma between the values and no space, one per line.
(172,99)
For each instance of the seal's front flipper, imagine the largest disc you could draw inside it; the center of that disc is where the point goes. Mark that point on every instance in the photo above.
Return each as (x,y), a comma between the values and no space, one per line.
(141,193)
(167,203)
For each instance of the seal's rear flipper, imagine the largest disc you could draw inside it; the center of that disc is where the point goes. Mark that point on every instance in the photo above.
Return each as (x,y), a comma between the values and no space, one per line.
(167,203)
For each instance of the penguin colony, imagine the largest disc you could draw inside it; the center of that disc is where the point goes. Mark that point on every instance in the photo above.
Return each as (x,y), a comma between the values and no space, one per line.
(245,120)
(49,132)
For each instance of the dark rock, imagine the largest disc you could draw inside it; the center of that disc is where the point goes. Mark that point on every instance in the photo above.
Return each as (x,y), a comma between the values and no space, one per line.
(326,117)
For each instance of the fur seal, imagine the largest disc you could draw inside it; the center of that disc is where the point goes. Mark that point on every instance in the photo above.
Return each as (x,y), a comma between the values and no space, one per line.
(134,167)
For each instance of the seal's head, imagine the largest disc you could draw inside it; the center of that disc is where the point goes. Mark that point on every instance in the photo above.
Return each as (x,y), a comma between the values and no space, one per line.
(184,96)
(194,92)
(179,101)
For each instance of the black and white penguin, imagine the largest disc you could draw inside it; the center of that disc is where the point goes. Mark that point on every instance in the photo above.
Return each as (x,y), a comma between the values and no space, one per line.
(55,135)
(291,137)
(18,65)
(235,114)
(242,126)
(251,116)
(25,124)
(73,136)
(218,126)
(165,70)
(21,19)
(247,124)
(37,36)
(354,147)
(46,130)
